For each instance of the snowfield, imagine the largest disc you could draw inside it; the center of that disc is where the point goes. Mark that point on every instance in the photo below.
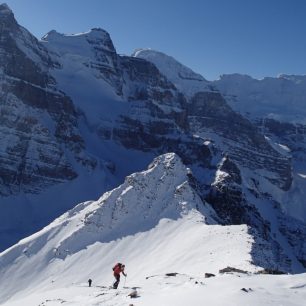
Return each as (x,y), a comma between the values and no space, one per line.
(181,290)
(156,224)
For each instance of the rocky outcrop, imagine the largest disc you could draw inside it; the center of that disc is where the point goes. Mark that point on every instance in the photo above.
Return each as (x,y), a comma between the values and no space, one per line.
(233,207)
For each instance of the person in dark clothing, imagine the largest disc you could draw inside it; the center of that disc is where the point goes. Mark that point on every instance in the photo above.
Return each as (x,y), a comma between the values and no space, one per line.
(118,268)
(89,282)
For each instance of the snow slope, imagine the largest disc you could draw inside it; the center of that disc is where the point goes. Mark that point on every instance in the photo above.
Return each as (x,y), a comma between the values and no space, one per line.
(156,224)
(182,290)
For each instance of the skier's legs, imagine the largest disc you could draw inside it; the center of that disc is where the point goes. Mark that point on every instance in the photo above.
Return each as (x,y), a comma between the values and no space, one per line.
(116,283)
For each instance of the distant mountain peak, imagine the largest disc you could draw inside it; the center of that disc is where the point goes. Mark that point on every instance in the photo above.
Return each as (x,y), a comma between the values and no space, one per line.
(184,78)
(155,56)
(76,43)
(93,32)
(7,19)
(5,9)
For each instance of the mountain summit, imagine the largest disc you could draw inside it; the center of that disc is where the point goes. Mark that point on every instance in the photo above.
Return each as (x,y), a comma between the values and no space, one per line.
(181,76)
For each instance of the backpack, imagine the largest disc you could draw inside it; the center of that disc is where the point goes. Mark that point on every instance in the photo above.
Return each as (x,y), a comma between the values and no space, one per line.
(119,265)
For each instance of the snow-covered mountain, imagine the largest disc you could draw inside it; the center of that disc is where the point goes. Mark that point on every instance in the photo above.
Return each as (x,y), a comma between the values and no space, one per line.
(155,222)
(76,118)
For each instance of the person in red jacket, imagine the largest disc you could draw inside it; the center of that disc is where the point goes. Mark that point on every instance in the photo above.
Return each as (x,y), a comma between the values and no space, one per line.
(118,268)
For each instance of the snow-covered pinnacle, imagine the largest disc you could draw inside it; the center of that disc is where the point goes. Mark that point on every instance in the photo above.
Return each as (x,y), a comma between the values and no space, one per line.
(181,76)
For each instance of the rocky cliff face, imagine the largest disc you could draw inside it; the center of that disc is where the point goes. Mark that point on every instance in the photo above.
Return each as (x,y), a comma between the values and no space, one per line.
(37,122)
(276,106)
(212,118)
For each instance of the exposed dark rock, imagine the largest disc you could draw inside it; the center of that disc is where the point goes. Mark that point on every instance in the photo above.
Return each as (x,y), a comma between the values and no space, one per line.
(246,290)
(171,274)
(133,294)
(208,275)
(270,271)
(232,270)
(228,200)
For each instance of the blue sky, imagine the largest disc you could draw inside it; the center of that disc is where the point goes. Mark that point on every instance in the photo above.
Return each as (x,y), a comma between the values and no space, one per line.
(213,37)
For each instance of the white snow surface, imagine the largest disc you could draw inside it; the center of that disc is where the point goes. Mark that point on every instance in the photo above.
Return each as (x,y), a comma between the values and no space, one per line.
(185,80)
(182,290)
